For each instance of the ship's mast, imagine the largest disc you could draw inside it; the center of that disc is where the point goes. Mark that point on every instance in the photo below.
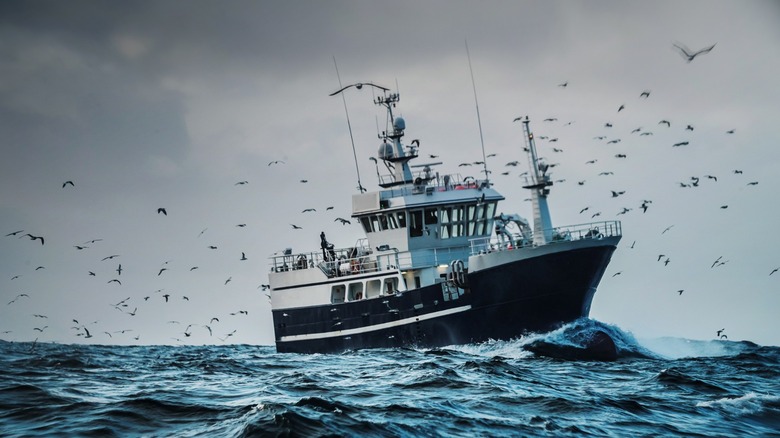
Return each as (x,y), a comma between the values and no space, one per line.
(540,182)
(394,153)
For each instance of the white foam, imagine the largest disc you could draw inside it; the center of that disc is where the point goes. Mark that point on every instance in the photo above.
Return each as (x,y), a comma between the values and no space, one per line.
(749,403)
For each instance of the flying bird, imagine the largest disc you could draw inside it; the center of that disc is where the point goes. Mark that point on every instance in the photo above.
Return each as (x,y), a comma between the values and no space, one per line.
(308,210)
(774,270)
(66,183)
(342,220)
(109,257)
(14,233)
(240,183)
(689,128)
(228,280)
(34,237)
(688,54)
(115,281)
(296,227)
(243,256)
(665,122)
(645,94)
(163,211)
(564,85)
(682,143)
(621,108)
(161,271)
(730,131)
(276,162)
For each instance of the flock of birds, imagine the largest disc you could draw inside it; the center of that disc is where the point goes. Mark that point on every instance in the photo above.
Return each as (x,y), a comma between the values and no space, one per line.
(90,330)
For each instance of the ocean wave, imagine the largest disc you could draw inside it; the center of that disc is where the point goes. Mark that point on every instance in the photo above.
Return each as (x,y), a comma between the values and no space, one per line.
(750,403)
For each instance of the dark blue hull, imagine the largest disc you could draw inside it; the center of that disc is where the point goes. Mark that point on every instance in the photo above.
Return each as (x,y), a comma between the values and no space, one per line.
(503,302)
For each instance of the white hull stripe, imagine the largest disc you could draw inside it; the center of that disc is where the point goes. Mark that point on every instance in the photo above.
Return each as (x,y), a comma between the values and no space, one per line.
(371,328)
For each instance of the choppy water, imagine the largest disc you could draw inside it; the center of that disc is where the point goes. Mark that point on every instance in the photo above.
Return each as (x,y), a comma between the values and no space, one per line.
(716,388)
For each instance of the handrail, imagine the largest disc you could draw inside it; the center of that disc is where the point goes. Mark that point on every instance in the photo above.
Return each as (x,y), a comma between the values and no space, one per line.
(568,233)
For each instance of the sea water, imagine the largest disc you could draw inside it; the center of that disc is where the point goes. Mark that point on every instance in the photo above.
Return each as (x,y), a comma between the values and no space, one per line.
(670,387)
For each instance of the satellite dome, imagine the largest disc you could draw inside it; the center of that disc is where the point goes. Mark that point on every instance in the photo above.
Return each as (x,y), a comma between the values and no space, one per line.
(385,151)
(399,124)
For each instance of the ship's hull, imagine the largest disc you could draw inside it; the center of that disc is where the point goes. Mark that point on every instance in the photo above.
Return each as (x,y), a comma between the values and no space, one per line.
(506,296)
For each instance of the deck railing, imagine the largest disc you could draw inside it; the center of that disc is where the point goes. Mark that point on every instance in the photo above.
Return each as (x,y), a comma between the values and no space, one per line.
(593,230)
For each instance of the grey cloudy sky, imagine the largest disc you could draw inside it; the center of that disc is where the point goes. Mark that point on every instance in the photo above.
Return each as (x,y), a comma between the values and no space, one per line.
(169,104)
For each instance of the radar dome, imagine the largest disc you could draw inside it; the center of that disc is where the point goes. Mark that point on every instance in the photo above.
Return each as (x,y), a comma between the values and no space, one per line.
(385,151)
(399,124)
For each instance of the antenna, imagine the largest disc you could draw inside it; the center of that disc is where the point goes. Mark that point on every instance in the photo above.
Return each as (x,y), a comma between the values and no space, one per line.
(349,125)
(479,120)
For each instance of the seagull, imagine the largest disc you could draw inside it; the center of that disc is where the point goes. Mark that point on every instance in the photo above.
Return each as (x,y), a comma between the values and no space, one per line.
(666,262)
(616,194)
(162,210)
(241,225)
(680,292)
(645,94)
(304,181)
(119,269)
(720,331)
(608,125)
(646,133)
(689,128)
(66,183)
(243,256)
(296,227)
(737,172)
(667,229)
(276,162)
(308,210)
(584,210)
(621,108)
(712,177)
(79,247)
(606,173)
(615,141)
(115,281)
(241,183)
(550,119)
(688,54)
(564,85)
(161,271)
(774,270)
(17,297)
(110,257)
(753,183)
(34,237)
(716,262)
(14,233)
(636,130)
(228,280)
(660,256)
(617,273)
(620,155)
(92,274)
(730,131)
(682,143)
(214,319)
(212,247)
(591,161)
(665,122)
(166,296)
(343,221)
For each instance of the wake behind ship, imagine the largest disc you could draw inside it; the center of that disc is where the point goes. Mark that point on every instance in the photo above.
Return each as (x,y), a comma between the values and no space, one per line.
(438,265)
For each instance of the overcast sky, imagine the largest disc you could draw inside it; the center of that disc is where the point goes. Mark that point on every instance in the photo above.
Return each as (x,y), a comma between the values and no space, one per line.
(170,104)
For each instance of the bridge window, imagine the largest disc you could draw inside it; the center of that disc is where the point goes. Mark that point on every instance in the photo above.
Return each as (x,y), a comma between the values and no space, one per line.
(430,216)
(415,223)
(366,224)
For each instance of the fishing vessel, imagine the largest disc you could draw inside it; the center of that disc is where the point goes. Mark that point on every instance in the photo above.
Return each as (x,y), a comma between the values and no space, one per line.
(439,265)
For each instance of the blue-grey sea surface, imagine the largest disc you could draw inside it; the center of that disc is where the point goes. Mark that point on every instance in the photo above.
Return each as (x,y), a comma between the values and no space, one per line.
(667,387)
